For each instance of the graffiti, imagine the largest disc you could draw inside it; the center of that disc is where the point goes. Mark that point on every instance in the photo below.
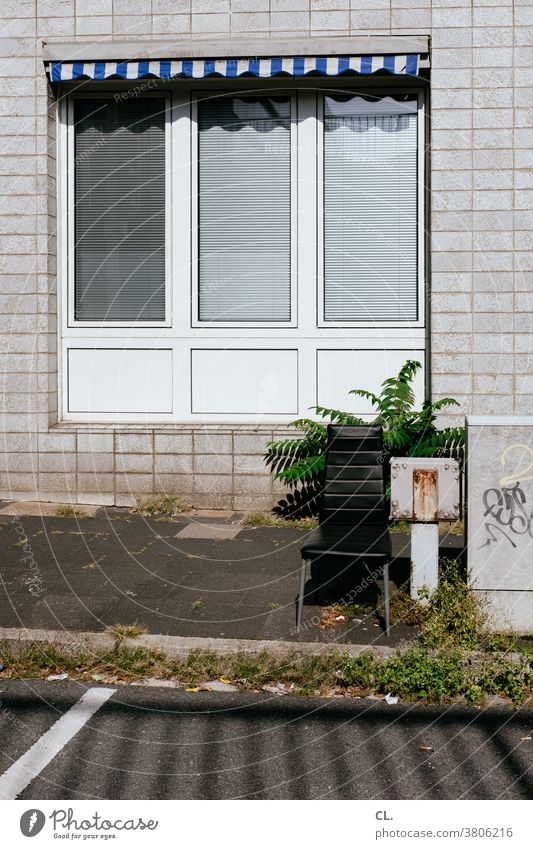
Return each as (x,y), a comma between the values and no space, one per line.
(507,508)
(521,474)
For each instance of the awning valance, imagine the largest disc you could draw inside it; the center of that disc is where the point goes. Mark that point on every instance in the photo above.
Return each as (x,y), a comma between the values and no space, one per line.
(231,68)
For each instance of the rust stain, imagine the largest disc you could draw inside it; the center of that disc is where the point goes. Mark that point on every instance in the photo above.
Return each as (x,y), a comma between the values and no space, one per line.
(425,495)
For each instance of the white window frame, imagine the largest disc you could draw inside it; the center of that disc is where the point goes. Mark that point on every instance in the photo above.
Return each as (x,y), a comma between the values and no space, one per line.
(421,276)
(71,211)
(196,322)
(179,332)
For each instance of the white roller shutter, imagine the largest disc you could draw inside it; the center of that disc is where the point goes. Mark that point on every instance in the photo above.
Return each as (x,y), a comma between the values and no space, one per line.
(370,210)
(244,206)
(119,209)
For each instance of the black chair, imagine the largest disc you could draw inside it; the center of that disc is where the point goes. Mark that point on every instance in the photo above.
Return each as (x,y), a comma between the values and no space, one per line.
(353,518)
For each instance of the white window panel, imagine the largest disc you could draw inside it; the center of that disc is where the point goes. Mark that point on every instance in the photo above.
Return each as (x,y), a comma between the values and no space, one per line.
(339,371)
(244,209)
(119,209)
(370,197)
(267,381)
(119,381)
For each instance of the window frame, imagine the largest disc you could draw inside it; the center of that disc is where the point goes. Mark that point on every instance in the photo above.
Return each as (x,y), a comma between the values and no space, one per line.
(70,223)
(421,217)
(197,95)
(178,333)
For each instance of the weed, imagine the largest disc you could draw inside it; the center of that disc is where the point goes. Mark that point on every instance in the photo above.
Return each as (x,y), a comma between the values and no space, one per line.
(315,673)
(407,610)
(500,676)
(358,672)
(66,511)
(121,632)
(454,528)
(133,663)
(354,610)
(419,674)
(196,605)
(401,527)
(254,670)
(445,528)
(330,616)
(456,616)
(265,520)
(499,642)
(200,666)
(165,505)
(453,616)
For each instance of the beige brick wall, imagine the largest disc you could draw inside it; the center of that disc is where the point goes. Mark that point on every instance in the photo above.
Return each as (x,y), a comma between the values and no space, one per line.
(481,285)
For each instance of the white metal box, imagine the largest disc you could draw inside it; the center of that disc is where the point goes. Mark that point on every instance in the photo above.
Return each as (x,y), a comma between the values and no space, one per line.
(425,489)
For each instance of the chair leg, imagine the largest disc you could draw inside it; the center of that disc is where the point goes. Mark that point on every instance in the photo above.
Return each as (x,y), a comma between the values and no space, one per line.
(301,593)
(386,597)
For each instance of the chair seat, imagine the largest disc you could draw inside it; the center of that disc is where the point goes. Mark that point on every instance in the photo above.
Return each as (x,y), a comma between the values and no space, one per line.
(358,541)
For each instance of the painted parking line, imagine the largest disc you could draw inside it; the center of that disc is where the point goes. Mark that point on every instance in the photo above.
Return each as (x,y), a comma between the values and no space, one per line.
(44,750)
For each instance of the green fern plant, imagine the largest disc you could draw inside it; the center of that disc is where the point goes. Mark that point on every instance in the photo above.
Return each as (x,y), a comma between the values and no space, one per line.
(407,432)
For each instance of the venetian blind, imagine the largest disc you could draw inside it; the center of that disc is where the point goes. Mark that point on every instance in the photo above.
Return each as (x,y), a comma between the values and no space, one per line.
(120,209)
(244,227)
(370,210)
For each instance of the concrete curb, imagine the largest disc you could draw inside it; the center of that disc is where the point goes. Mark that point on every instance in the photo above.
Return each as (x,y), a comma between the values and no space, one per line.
(182,646)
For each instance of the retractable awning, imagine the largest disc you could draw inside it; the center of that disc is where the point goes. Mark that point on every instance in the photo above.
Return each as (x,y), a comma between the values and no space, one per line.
(189,60)
(196,69)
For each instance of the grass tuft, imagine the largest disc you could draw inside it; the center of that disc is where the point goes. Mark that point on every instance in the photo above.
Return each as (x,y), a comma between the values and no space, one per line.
(418,674)
(165,505)
(445,528)
(122,632)
(66,511)
(266,520)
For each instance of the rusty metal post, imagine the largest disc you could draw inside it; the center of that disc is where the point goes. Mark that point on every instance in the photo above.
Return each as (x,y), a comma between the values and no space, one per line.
(425,532)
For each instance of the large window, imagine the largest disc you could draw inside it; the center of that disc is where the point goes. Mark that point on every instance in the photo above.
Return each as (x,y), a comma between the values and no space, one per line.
(119,209)
(237,256)
(244,209)
(370,210)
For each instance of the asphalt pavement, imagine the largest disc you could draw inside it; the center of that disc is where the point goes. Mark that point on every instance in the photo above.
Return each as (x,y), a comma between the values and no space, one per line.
(189,576)
(158,743)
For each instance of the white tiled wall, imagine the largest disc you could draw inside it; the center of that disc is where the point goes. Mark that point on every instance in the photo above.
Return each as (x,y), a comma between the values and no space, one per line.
(482,109)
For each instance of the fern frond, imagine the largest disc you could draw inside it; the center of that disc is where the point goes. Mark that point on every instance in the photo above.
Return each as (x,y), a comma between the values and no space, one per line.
(338,416)
(302,471)
(364,393)
(300,461)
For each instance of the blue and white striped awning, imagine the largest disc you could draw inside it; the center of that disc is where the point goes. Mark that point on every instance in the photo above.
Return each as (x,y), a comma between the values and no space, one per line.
(295,66)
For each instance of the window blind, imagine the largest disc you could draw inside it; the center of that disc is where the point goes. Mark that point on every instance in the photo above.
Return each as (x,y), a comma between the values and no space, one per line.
(370,210)
(244,199)
(119,209)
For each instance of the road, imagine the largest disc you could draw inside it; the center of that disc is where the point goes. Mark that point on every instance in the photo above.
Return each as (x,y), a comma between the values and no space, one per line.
(159,743)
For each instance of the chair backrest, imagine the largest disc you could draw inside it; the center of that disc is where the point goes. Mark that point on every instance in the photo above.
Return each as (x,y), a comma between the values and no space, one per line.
(354,486)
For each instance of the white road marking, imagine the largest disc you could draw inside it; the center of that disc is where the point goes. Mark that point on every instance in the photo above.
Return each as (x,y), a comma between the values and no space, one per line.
(44,750)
